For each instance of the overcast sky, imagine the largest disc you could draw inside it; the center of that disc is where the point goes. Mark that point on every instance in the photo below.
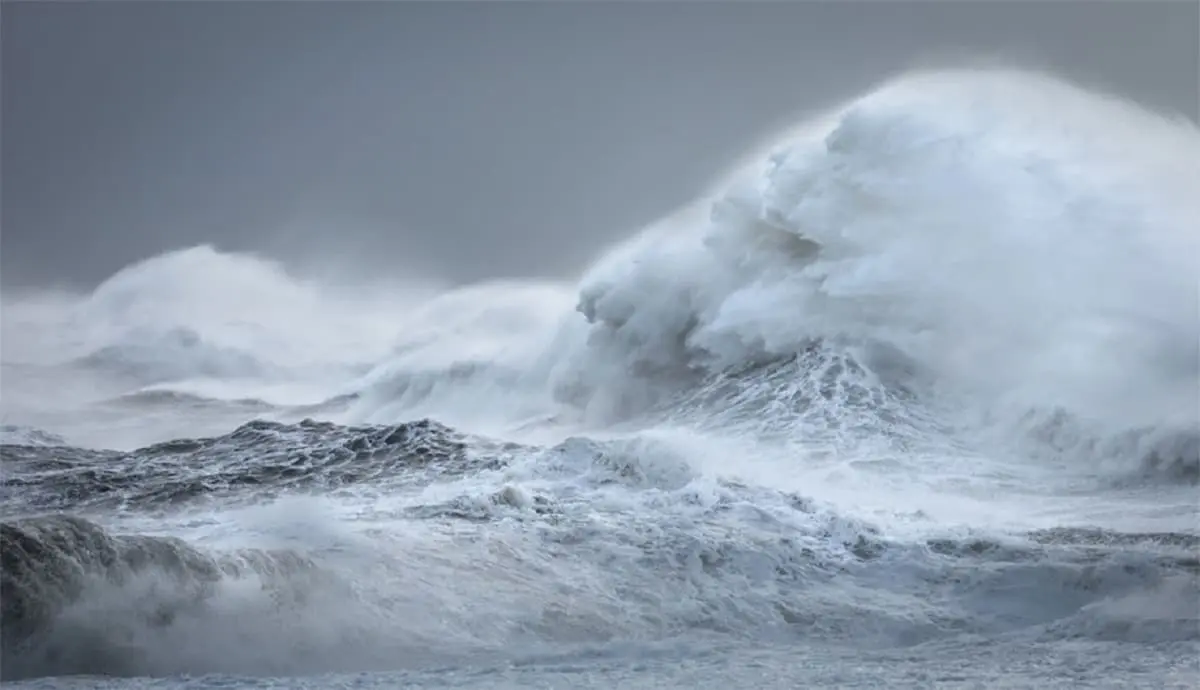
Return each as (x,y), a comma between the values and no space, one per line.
(471,139)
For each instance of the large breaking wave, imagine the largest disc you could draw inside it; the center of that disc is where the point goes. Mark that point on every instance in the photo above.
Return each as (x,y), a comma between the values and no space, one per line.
(950,230)
(928,367)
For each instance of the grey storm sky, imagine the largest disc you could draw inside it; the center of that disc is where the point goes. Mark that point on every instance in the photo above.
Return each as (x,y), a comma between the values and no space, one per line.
(472,140)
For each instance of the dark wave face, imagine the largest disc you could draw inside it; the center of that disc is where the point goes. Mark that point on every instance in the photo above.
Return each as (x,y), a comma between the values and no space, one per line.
(79,600)
(57,568)
(255,461)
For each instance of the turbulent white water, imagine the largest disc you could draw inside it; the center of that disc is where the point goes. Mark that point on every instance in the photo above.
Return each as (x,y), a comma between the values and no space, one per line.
(884,389)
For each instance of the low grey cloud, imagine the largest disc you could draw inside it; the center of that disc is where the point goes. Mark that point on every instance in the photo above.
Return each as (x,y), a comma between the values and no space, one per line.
(468,140)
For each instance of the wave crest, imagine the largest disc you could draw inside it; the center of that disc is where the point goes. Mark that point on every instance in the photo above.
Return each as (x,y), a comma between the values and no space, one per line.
(947,220)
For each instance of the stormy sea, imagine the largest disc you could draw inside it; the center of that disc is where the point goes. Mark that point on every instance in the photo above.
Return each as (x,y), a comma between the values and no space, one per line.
(910,399)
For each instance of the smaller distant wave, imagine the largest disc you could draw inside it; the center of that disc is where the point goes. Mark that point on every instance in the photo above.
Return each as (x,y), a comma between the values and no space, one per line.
(12,434)
(175,354)
(178,399)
